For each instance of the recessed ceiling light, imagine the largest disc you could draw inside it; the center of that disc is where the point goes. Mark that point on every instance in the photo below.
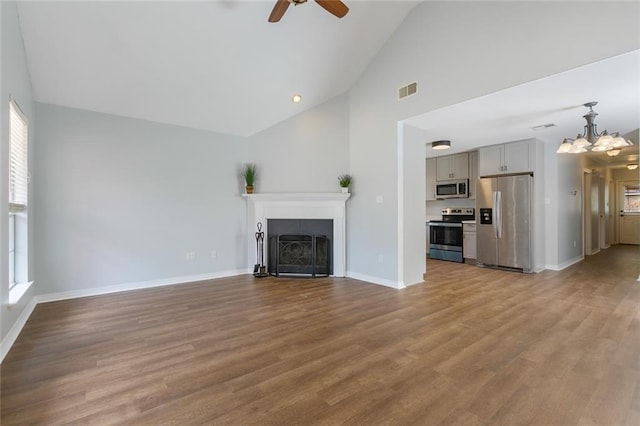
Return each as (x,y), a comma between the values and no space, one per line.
(296,98)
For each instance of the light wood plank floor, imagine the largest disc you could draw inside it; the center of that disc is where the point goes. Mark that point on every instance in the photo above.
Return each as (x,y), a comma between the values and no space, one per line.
(470,346)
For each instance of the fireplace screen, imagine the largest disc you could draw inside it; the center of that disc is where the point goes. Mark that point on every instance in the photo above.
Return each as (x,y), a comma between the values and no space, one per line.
(299,254)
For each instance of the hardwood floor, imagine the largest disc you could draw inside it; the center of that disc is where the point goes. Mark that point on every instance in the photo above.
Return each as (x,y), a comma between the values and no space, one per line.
(469,346)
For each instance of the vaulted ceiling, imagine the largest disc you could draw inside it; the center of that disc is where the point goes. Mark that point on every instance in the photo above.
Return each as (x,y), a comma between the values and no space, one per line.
(219,65)
(210,64)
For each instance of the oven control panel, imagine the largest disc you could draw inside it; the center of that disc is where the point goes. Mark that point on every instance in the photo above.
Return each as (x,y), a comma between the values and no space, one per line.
(458,211)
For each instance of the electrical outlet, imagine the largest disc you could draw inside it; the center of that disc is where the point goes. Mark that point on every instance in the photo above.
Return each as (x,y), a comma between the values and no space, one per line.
(379,199)
(214,254)
(574,244)
(380,258)
(191,255)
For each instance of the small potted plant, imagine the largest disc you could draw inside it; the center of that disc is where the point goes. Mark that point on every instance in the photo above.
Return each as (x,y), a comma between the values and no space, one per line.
(249,175)
(345,181)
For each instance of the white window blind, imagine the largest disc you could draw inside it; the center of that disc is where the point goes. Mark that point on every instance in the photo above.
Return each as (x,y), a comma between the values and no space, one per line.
(18,172)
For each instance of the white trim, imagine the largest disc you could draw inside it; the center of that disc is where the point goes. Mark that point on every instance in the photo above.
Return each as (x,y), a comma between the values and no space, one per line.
(261,207)
(17,291)
(375,280)
(96,291)
(15,330)
(566,264)
(400,189)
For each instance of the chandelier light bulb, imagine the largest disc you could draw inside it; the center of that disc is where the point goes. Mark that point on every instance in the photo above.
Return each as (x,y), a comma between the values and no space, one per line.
(582,142)
(564,147)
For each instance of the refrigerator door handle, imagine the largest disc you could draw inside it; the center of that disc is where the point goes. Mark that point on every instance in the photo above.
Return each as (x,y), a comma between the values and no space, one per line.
(498,208)
(494,213)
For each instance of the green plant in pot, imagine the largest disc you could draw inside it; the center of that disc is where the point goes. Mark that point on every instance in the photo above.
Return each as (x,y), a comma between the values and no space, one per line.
(345,181)
(249,175)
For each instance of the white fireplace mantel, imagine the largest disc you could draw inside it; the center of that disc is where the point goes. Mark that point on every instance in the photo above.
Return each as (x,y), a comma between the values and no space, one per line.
(261,207)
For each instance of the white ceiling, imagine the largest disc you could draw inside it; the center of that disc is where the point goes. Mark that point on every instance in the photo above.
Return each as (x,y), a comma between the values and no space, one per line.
(211,64)
(219,65)
(510,114)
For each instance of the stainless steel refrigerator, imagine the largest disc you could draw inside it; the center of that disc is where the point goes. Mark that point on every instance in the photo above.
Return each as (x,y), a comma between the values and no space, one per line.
(504,222)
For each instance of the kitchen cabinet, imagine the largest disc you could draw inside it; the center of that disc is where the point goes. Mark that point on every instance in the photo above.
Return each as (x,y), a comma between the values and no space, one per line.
(430,179)
(452,167)
(473,174)
(514,157)
(469,240)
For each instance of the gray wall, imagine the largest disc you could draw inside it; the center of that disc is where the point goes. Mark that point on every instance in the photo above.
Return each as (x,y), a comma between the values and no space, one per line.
(456,51)
(14,82)
(305,153)
(123,201)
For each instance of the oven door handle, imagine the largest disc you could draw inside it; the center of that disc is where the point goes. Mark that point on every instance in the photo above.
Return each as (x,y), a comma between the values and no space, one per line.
(446,225)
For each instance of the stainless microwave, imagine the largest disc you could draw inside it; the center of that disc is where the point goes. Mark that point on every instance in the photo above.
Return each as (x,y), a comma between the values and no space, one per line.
(452,189)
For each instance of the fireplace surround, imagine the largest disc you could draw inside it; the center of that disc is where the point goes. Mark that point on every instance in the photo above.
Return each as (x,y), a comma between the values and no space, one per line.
(332,206)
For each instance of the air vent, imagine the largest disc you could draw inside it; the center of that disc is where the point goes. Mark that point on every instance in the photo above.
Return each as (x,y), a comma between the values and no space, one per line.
(408,90)
(544,126)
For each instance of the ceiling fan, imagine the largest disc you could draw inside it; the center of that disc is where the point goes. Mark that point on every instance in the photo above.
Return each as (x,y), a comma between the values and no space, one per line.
(335,7)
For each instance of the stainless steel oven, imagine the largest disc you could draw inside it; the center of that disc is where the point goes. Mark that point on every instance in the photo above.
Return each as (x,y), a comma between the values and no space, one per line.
(446,235)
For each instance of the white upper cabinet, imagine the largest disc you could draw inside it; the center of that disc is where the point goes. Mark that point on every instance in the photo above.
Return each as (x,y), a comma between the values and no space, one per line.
(515,157)
(452,167)
(431,179)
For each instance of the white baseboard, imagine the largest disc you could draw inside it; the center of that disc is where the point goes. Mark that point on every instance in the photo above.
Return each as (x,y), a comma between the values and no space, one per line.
(375,280)
(566,264)
(13,333)
(74,294)
(11,337)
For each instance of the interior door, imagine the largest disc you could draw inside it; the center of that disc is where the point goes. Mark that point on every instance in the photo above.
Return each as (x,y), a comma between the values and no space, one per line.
(629,211)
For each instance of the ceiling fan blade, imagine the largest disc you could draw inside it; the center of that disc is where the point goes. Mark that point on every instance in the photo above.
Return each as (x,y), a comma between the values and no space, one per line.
(335,7)
(278,10)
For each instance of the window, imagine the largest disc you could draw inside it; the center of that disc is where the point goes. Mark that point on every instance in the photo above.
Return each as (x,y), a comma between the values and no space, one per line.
(18,195)
(631,202)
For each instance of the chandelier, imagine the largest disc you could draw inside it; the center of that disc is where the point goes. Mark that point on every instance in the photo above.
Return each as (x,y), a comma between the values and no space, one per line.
(591,140)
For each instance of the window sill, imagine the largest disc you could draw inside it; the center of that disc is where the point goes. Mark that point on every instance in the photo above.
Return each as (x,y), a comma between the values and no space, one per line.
(16,293)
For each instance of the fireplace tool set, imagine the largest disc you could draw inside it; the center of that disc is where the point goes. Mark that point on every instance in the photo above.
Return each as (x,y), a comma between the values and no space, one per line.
(259,270)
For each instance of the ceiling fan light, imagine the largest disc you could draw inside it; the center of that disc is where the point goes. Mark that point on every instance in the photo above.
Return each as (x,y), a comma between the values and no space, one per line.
(613,152)
(632,166)
(444,144)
